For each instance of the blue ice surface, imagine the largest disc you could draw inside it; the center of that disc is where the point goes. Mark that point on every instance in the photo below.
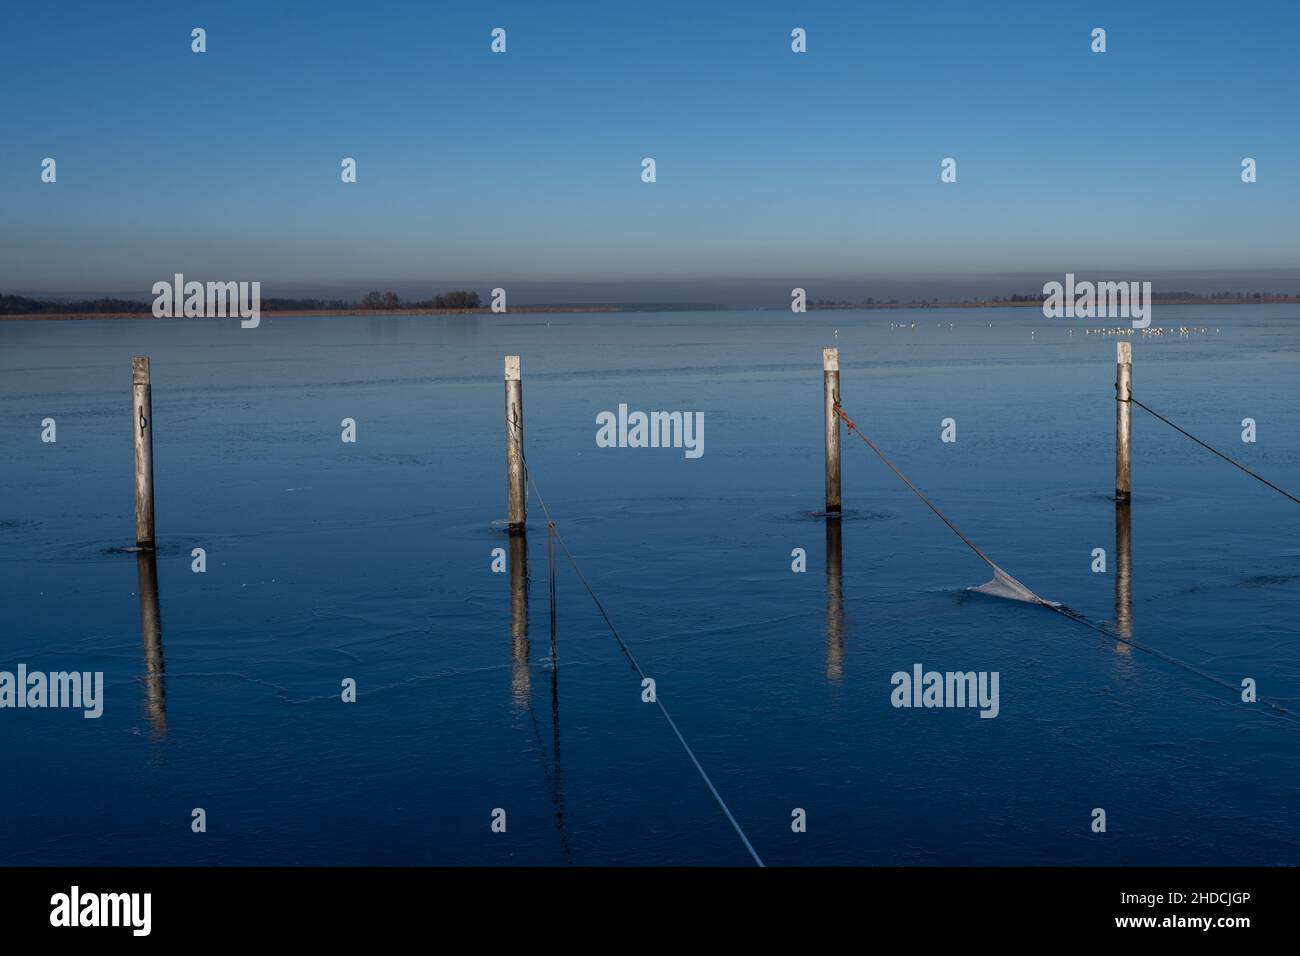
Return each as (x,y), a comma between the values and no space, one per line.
(371,560)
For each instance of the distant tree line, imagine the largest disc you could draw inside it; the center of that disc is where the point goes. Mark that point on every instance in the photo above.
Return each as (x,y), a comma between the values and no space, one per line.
(466,299)
(304,305)
(379,300)
(1247,295)
(459,299)
(21,305)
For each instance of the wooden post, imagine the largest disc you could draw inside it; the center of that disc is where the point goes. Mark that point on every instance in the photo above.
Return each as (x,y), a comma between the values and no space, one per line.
(516,492)
(142,427)
(831,383)
(1123,418)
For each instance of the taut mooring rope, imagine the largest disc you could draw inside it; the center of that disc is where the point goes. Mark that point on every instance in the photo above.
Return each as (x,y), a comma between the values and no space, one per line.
(1053,605)
(553,530)
(1207,447)
(839,410)
(1191,669)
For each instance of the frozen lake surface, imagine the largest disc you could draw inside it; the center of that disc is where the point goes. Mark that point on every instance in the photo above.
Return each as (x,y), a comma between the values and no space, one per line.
(371,561)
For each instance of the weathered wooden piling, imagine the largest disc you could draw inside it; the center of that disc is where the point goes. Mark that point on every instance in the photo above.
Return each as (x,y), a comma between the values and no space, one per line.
(831,385)
(1123,420)
(516,487)
(142,426)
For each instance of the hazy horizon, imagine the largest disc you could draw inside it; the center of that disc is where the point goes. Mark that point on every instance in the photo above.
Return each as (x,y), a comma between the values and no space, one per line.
(523,169)
(730,292)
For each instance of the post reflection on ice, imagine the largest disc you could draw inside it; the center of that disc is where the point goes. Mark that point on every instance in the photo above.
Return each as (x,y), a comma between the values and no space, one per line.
(520,676)
(521,679)
(155,689)
(1123,576)
(834,602)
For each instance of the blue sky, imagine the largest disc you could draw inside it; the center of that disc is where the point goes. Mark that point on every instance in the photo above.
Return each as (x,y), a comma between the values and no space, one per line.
(526,166)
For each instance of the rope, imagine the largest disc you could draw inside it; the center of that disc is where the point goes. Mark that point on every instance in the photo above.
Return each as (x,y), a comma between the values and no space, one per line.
(1229,460)
(1053,605)
(553,781)
(1190,668)
(533,489)
(915,490)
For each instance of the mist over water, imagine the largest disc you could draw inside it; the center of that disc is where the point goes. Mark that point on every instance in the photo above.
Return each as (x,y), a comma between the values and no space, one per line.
(372,560)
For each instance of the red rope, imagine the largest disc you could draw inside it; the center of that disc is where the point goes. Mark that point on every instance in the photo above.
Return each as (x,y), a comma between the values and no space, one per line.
(839,410)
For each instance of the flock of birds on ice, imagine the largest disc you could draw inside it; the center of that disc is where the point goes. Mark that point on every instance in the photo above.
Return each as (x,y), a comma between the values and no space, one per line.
(1182,330)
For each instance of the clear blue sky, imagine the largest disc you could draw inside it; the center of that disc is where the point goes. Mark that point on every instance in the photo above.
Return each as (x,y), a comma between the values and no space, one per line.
(527,165)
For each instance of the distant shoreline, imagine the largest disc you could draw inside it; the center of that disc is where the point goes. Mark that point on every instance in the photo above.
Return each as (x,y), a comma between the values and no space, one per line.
(304,313)
(565,310)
